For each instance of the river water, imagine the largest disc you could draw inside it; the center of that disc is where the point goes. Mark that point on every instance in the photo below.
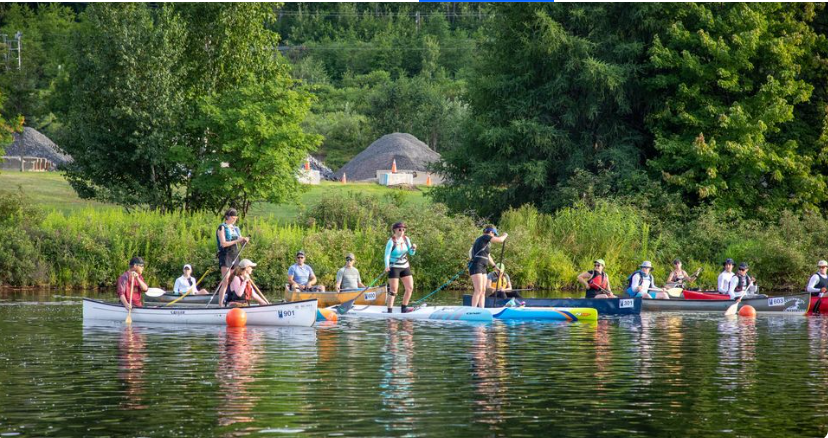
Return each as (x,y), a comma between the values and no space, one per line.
(661,375)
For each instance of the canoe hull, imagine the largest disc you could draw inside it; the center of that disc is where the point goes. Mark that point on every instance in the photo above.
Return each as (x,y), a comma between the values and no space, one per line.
(707,295)
(302,314)
(189,299)
(608,306)
(375,296)
(466,313)
(788,305)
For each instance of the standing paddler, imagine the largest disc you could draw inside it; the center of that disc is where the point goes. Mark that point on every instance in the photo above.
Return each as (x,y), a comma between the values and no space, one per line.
(397,250)
(480,260)
(228,238)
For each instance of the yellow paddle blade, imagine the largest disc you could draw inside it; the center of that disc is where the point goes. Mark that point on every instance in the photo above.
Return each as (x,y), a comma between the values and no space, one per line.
(675,292)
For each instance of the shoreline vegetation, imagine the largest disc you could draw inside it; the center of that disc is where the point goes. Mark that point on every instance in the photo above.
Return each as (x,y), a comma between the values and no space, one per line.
(89,246)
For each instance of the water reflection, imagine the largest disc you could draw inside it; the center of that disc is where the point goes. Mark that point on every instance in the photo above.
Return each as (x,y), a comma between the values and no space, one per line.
(488,370)
(398,374)
(132,355)
(239,354)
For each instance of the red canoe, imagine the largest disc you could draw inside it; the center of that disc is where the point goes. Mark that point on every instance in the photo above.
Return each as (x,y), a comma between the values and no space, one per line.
(696,295)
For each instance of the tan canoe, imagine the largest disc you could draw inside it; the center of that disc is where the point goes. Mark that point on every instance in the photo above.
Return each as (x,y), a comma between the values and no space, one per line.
(373,296)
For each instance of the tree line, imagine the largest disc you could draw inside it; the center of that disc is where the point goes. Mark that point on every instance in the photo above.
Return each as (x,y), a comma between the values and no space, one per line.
(669,107)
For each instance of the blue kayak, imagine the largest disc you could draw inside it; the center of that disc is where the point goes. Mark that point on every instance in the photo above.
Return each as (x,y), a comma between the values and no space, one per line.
(604,306)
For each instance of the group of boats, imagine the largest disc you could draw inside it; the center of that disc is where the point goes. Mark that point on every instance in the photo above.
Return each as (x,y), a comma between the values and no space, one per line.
(306,308)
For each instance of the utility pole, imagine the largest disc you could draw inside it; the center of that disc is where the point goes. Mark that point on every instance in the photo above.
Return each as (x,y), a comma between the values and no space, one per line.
(10,46)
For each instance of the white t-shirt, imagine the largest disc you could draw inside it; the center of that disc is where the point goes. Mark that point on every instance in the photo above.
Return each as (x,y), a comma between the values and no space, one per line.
(645,283)
(182,284)
(724,281)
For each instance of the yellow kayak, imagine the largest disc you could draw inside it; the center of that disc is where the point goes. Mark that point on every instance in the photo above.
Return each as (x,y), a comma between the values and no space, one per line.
(373,296)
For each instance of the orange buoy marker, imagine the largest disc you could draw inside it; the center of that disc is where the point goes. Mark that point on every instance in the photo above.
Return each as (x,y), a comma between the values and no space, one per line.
(326,315)
(394,166)
(428,179)
(747,311)
(344,178)
(236,318)
(307,164)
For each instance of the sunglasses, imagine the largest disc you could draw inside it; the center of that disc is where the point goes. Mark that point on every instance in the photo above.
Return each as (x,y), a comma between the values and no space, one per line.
(598,265)
(348,259)
(300,257)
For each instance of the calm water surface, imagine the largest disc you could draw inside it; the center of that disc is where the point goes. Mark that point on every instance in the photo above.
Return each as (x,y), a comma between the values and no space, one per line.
(666,375)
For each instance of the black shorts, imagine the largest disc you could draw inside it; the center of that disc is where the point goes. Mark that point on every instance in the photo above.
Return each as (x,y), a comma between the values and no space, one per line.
(477,268)
(591,293)
(399,272)
(226,259)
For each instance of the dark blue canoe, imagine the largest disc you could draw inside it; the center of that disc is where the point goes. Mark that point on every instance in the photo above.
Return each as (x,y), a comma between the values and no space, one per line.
(605,306)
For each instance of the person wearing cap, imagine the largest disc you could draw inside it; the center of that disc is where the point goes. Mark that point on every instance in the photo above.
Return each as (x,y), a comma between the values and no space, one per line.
(186,281)
(498,282)
(228,238)
(678,277)
(642,284)
(741,283)
(596,281)
(723,284)
(241,289)
(818,284)
(348,276)
(132,277)
(479,261)
(397,250)
(301,276)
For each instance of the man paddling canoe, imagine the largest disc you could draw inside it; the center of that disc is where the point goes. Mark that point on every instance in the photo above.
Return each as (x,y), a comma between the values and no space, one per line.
(642,284)
(132,279)
(741,283)
(480,260)
(348,276)
(818,283)
(596,281)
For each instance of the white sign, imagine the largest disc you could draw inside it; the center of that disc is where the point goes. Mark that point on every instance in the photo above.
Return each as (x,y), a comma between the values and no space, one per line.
(626,303)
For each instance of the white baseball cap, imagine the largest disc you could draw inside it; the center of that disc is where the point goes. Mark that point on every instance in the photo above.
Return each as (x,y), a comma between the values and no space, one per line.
(188,267)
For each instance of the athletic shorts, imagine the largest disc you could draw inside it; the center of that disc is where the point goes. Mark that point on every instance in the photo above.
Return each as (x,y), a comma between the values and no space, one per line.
(591,293)
(639,294)
(477,268)
(399,272)
(226,258)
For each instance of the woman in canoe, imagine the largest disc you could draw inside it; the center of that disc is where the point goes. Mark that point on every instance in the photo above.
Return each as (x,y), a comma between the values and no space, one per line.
(187,282)
(241,286)
(642,284)
(596,281)
(480,260)
(818,284)
(397,250)
(725,276)
(678,277)
(228,238)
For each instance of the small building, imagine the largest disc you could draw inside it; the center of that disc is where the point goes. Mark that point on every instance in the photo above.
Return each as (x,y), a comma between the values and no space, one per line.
(32,151)
(412,156)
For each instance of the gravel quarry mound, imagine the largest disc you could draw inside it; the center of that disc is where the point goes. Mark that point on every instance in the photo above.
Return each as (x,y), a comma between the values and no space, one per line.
(31,143)
(410,153)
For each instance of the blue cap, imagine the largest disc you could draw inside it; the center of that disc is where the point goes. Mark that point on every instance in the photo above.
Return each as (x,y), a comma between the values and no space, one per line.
(492,229)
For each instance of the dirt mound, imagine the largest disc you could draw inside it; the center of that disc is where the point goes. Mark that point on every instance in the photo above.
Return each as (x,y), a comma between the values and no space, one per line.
(31,143)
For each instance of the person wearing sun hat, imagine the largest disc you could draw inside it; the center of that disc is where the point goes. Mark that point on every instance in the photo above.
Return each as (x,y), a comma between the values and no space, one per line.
(642,283)
(186,281)
(241,289)
(741,283)
(596,281)
(498,282)
(723,284)
(818,284)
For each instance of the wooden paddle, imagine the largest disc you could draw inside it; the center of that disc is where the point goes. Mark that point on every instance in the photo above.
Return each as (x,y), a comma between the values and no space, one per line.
(226,275)
(259,291)
(192,288)
(129,311)
(497,291)
(735,306)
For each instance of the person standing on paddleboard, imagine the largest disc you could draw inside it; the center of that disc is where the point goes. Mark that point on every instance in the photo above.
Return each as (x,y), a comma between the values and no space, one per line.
(479,261)
(596,281)
(228,238)
(398,248)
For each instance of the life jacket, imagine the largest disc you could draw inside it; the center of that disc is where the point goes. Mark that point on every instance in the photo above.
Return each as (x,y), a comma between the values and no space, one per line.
(231,232)
(403,259)
(743,282)
(231,296)
(598,281)
(641,277)
(823,282)
(500,283)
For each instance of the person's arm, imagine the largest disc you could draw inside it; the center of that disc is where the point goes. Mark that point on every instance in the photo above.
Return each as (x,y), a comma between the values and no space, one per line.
(634,281)
(491,261)
(609,287)
(722,286)
(731,290)
(122,292)
(311,277)
(489,284)
(139,280)
(412,248)
(179,287)
(339,275)
(584,279)
(508,282)
(500,239)
(388,247)
(671,277)
(359,279)
(812,284)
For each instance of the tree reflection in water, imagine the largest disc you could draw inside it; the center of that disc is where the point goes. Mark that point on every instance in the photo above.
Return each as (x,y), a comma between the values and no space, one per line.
(737,351)
(132,354)
(489,374)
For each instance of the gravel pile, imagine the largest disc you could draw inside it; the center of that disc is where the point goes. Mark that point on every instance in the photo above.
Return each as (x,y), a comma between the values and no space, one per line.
(31,143)
(325,172)
(410,153)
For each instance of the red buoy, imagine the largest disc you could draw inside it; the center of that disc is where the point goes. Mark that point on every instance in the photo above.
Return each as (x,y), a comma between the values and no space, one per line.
(747,311)
(236,318)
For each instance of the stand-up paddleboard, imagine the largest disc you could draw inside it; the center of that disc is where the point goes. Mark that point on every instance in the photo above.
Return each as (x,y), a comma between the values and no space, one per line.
(466,313)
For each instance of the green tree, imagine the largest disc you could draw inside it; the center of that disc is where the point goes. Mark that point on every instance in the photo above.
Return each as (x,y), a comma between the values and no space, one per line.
(8,127)
(258,136)
(726,80)
(555,95)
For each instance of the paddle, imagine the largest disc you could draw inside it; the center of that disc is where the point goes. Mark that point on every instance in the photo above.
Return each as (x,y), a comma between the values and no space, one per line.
(816,310)
(224,277)
(347,305)
(497,291)
(155,292)
(735,306)
(192,288)
(259,291)
(129,311)
(675,292)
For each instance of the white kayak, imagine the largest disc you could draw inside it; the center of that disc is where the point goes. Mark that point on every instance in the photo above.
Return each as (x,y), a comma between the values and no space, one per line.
(466,313)
(299,313)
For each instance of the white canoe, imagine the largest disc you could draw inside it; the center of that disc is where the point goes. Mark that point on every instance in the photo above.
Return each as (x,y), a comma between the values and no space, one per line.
(299,313)
(466,313)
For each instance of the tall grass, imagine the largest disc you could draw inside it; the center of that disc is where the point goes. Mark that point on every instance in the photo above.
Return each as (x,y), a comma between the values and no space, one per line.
(91,248)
